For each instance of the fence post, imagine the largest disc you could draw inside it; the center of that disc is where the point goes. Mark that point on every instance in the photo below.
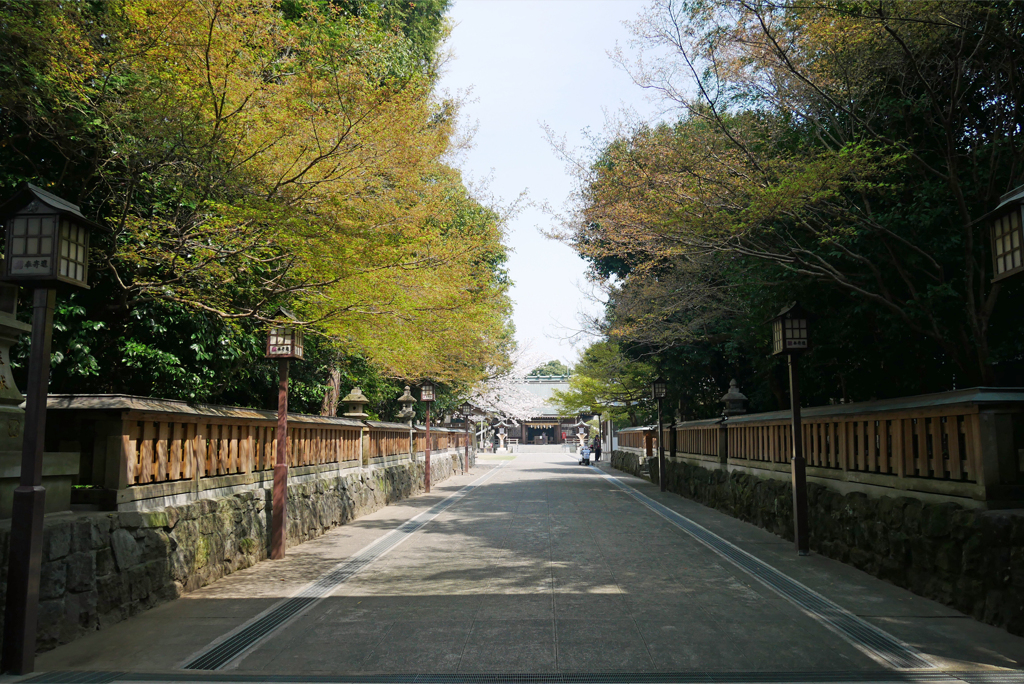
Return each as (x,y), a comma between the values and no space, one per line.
(364,446)
(999,458)
(723,443)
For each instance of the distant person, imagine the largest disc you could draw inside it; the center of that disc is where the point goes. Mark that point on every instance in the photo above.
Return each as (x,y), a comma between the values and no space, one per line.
(597,450)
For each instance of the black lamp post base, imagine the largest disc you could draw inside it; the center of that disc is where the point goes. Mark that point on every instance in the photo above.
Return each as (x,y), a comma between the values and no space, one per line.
(21,614)
(800,532)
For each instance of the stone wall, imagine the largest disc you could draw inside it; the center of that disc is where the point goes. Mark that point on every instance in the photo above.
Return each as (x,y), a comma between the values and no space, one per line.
(101,568)
(627,461)
(969,559)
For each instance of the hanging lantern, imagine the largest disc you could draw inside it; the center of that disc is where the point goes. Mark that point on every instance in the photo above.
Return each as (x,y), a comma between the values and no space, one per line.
(47,240)
(284,341)
(790,333)
(1006,235)
(658,388)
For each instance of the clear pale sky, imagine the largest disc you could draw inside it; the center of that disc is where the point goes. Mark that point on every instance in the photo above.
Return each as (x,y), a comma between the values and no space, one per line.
(534,62)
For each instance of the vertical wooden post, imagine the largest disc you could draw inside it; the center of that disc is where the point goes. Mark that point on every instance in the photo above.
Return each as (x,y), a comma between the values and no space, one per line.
(426,455)
(662,480)
(26,539)
(723,442)
(798,466)
(279,514)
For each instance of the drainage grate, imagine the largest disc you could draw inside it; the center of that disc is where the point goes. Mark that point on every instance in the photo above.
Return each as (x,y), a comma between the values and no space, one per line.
(875,642)
(695,677)
(248,635)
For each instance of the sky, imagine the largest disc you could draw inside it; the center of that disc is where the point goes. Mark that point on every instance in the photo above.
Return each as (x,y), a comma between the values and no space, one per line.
(526,64)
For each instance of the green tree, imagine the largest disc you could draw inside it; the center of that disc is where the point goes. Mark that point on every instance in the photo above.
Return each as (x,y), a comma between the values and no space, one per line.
(840,153)
(607,381)
(248,158)
(553,367)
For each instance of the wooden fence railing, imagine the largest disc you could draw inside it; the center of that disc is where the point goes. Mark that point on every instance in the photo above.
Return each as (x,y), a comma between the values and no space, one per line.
(962,443)
(162,448)
(137,442)
(702,439)
(389,442)
(943,446)
(634,438)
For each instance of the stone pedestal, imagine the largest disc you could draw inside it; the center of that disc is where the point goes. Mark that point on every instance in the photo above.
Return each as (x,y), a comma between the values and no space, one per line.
(59,469)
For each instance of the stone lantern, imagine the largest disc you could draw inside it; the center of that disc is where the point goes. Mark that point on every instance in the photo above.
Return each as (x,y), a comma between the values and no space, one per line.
(354,402)
(407,400)
(734,400)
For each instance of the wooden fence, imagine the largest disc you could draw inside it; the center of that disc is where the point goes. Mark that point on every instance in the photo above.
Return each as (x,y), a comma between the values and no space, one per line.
(162,449)
(962,444)
(943,446)
(634,438)
(145,448)
(386,442)
(701,439)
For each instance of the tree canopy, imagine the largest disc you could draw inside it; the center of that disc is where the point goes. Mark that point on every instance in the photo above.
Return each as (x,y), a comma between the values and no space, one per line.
(607,381)
(553,367)
(250,154)
(839,153)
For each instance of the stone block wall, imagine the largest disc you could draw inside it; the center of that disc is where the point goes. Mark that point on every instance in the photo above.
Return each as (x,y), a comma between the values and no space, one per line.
(627,462)
(101,568)
(969,559)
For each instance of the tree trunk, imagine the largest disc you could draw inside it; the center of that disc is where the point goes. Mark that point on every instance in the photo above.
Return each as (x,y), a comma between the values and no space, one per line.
(332,395)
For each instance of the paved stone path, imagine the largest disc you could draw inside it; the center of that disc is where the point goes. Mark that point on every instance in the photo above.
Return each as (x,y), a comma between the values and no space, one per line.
(543,566)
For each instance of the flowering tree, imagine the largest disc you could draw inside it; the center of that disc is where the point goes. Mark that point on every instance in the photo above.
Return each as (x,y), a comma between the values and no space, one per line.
(503,392)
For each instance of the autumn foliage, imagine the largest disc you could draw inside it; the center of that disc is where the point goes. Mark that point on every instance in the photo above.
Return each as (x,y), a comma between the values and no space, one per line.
(250,154)
(840,153)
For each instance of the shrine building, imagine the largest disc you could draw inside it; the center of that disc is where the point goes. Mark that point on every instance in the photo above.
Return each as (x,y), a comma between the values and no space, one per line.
(547,427)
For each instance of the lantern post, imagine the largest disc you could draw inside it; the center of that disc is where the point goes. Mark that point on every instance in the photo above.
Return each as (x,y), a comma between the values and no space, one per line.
(791,337)
(467,410)
(658,390)
(47,241)
(283,343)
(427,395)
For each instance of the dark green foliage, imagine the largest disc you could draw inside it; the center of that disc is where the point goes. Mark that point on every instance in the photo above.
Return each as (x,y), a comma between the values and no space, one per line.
(893,257)
(553,367)
(108,339)
(421,22)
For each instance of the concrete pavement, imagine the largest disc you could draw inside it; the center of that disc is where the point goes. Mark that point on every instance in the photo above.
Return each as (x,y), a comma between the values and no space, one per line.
(542,566)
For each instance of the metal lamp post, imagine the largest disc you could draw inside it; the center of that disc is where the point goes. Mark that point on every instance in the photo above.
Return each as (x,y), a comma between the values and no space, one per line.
(791,337)
(283,343)
(467,410)
(47,244)
(427,395)
(658,390)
